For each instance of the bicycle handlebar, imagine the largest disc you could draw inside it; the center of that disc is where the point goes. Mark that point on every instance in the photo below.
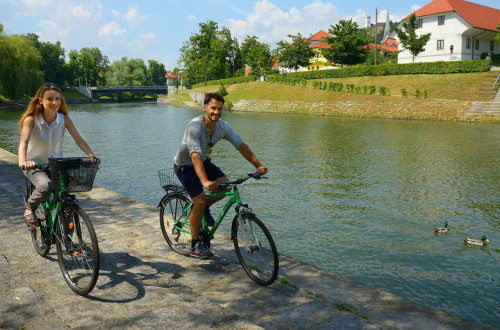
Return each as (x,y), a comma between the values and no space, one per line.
(38,166)
(250,175)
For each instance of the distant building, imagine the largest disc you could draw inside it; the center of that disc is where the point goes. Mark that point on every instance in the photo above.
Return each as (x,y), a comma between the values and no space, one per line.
(389,46)
(460,30)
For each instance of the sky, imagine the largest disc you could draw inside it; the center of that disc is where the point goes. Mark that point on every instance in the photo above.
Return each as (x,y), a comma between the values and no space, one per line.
(156,29)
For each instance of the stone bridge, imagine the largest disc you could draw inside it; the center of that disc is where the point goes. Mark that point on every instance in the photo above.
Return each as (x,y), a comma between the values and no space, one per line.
(95,92)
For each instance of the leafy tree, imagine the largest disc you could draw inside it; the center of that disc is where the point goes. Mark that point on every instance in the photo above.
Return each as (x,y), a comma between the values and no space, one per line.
(53,62)
(257,55)
(295,53)
(205,56)
(126,72)
(347,44)
(235,58)
(409,39)
(497,37)
(88,66)
(19,66)
(155,74)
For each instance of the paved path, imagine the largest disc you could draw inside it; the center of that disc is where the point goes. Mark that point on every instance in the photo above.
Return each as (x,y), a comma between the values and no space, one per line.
(143,284)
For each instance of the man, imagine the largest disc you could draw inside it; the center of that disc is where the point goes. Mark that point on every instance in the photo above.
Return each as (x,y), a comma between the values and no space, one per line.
(195,170)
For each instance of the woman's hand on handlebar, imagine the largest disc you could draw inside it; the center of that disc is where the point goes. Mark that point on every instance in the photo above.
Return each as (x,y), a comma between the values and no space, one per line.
(27,165)
(95,159)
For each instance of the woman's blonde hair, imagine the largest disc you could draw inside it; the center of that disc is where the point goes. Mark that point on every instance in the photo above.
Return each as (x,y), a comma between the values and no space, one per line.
(35,108)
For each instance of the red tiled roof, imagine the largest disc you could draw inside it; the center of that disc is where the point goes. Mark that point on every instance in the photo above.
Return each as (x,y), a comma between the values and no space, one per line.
(320,44)
(477,15)
(169,74)
(319,35)
(385,48)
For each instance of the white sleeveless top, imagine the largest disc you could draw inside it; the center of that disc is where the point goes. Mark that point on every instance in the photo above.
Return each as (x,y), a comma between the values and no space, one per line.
(46,141)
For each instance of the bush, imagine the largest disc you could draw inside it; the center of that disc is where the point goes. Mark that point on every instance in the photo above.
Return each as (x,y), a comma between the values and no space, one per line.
(404,92)
(395,69)
(228,81)
(229,105)
(418,93)
(223,90)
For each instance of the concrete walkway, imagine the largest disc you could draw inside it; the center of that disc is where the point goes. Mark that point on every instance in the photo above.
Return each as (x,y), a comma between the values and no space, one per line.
(144,285)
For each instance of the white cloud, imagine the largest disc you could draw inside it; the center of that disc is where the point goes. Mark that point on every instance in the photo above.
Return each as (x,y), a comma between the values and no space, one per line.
(81,13)
(133,17)
(111,30)
(191,18)
(272,24)
(115,13)
(414,8)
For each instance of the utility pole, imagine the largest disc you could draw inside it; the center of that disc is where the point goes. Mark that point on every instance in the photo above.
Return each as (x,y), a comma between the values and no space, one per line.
(376,32)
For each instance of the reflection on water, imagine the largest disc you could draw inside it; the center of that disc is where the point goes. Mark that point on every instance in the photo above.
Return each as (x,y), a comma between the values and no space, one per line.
(357,197)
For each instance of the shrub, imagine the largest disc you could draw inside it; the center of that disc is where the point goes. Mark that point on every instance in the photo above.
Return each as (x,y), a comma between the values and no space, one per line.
(404,93)
(223,90)
(418,93)
(372,89)
(229,105)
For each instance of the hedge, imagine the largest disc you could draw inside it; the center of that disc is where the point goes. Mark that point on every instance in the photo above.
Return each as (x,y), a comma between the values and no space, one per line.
(391,69)
(227,81)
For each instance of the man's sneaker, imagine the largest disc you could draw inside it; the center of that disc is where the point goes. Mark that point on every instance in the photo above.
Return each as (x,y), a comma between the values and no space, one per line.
(200,251)
(209,219)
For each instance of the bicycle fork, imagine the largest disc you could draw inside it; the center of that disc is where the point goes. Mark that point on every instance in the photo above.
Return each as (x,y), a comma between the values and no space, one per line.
(241,210)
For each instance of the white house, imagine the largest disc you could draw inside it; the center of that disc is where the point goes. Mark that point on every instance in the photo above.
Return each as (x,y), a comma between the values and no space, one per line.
(460,30)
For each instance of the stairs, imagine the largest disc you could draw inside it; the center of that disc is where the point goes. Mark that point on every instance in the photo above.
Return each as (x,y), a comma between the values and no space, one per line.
(485,108)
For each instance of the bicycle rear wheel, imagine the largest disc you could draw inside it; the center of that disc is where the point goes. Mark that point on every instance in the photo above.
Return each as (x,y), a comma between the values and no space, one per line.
(40,237)
(255,249)
(174,225)
(77,249)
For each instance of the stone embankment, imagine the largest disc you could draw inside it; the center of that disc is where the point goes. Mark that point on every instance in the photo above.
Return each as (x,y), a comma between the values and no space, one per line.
(144,285)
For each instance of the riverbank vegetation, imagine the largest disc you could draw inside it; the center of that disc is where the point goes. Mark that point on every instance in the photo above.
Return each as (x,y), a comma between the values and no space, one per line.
(448,97)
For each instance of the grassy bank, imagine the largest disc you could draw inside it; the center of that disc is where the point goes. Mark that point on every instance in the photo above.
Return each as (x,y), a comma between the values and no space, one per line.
(449,96)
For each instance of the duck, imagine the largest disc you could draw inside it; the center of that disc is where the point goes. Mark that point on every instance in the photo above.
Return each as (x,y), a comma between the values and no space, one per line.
(474,241)
(442,229)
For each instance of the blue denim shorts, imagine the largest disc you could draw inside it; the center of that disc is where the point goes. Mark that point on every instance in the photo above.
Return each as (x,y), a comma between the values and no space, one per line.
(189,179)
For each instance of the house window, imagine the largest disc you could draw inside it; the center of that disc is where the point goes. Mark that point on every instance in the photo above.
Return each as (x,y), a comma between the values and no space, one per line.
(492,45)
(467,43)
(440,44)
(420,22)
(441,20)
(476,44)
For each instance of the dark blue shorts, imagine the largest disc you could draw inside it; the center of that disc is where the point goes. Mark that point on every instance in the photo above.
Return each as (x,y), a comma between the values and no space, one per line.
(189,179)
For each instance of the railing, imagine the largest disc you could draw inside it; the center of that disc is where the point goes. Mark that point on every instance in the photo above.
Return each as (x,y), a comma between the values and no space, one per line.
(494,88)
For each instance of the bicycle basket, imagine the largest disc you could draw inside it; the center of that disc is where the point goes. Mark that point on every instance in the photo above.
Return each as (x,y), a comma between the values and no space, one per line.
(169,181)
(78,173)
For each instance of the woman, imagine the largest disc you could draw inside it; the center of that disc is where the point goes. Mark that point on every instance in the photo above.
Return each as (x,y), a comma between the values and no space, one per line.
(42,132)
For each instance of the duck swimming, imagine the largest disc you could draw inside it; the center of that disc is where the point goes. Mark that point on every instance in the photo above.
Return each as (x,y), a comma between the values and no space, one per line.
(442,229)
(474,241)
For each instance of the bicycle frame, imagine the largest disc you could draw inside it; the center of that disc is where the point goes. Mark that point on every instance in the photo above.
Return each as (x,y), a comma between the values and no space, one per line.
(235,199)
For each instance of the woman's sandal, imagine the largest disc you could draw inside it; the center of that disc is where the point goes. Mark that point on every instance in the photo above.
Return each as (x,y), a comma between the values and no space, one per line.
(31,221)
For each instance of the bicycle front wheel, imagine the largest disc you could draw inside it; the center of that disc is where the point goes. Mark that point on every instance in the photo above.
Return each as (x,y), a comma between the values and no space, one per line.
(40,235)
(174,223)
(77,249)
(255,249)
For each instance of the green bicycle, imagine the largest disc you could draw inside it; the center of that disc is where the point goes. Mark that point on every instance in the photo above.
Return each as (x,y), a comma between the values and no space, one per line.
(63,222)
(252,241)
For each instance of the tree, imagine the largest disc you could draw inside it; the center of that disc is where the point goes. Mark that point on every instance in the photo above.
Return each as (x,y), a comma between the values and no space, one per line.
(409,39)
(296,53)
(347,44)
(88,66)
(126,72)
(497,37)
(155,74)
(53,62)
(206,55)
(20,60)
(256,55)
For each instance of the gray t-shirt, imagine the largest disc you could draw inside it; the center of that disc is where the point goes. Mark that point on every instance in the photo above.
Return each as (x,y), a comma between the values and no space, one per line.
(196,139)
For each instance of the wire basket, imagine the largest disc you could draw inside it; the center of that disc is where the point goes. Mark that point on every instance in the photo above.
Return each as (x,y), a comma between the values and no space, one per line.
(169,181)
(78,173)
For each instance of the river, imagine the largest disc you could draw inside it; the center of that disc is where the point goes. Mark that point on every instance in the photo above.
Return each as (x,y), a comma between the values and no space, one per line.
(360,197)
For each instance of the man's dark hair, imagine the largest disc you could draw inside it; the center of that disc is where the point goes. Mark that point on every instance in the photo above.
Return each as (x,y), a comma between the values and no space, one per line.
(215,96)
